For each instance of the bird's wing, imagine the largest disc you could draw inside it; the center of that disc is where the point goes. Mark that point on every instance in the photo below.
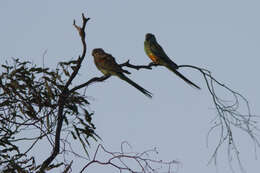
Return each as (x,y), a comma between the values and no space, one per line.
(158,51)
(109,63)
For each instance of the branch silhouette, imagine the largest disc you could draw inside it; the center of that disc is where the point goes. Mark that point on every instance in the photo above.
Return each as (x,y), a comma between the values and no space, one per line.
(229,117)
(144,161)
(65,94)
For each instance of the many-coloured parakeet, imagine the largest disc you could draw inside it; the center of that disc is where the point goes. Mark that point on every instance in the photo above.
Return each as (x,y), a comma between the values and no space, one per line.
(107,65)
(156,53)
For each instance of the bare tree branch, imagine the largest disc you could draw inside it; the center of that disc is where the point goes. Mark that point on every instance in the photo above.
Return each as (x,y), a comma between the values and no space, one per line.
(144,162)
(138,67)
(93,80)
(229,117)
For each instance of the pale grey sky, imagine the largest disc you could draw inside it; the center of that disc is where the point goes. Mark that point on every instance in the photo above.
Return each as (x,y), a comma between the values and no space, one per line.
(222,36)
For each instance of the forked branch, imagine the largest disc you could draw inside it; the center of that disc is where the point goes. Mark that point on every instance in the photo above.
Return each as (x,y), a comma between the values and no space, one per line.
(144,161)
(229,117)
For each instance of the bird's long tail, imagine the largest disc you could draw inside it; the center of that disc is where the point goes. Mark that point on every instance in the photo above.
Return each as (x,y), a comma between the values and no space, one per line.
(174,70)
(144,91)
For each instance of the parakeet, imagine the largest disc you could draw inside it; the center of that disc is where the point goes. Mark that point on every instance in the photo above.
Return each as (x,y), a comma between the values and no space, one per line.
(156,53)
(108,66)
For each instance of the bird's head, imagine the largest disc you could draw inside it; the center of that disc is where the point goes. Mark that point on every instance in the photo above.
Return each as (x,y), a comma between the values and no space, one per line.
(150,37)
(98,51)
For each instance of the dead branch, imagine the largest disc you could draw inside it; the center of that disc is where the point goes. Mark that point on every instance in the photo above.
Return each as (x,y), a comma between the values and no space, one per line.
(143,160)
(91,81)
(229,117)
(138,67)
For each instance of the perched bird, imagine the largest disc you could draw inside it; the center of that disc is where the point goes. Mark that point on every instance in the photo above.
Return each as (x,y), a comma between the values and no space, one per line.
(107,65)
(156,53)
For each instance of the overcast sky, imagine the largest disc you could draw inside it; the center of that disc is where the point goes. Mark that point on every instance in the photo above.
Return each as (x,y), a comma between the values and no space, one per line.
(222,36)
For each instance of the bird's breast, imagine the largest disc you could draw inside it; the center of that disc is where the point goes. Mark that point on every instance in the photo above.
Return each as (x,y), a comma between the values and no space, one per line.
(153,58)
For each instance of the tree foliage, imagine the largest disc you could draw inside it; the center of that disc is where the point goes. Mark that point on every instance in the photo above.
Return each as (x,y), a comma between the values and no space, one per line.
(30,102)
